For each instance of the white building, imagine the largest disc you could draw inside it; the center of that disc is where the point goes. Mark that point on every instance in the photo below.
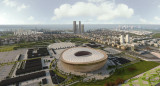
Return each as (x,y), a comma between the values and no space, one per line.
(127,38)
(122,39)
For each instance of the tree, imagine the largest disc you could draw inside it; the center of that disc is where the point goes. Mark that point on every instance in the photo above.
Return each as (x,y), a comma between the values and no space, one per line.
(118,81)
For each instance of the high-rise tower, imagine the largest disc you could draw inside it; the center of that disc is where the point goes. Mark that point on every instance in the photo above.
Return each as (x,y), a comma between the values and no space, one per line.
(79,27)
(82,28)
(127,38)
(74,27)
(122,39)
(77,30)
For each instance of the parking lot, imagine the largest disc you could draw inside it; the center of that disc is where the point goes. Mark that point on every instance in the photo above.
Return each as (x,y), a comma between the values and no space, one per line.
(11,55)
(119,60)
(4,71)
(112,51)
(8,57)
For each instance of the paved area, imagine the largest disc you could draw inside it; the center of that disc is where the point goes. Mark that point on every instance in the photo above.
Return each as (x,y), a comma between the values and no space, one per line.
(156,54)
(8,57)
(59,52)
(35,82)
(4,71)
(112,51)
(11,55)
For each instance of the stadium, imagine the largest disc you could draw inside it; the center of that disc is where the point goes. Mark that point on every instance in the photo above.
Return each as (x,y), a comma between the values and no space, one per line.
(83,59)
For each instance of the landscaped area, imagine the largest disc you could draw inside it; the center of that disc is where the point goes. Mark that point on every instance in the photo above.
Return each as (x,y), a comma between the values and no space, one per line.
(122,74)
(150,78)
(7,48)
(74,40)
(6,36)
(25,45)
(156,35)
(39,43)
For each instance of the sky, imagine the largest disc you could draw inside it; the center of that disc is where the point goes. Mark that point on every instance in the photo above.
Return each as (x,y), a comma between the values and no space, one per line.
(86,11)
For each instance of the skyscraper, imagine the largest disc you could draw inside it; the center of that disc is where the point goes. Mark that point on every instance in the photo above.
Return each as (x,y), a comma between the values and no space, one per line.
(74,27)
(79,27)
(127,38)
(122,39)
(77,30)
(82,28)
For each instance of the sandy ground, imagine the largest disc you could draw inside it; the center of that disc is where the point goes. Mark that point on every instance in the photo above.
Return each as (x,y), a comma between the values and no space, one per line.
(156,54)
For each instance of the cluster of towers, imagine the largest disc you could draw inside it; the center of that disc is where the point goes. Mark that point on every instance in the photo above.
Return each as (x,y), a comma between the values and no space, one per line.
(78,29)
(126,40)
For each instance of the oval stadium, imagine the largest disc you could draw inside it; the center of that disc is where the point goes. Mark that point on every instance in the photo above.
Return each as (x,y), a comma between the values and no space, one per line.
(83,59)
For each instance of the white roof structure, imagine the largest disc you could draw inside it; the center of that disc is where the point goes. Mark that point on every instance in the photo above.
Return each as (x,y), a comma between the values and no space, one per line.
(94,56)
(61,45)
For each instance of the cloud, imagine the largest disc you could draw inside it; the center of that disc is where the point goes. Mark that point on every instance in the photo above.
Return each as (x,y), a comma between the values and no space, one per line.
(23,6)
(15,4)
(157,18)
(159,6)
(2,18)
(10,3)
(96,0)
(31,18)
(142,20)
(101,11)
(6,18)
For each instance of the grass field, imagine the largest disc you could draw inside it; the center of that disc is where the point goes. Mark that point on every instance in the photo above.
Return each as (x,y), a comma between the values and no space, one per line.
(157,35)
(39,43)
(25,45)
(123,73)
(74,40)
(149,78)
(7,48)
(6,36)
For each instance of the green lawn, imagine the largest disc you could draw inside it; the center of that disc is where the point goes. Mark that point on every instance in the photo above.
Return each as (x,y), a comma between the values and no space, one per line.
(6,36)
(7,48)
(31,44)
(157,35)
(25,45)
(123,73)
(38,43)
(79,39)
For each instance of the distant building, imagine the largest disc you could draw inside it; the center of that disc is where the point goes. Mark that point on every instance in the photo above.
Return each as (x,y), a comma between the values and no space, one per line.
(82,28)
(79,27)
(122,39)
(25,32)
(74,27)
(77,30)
(127,38)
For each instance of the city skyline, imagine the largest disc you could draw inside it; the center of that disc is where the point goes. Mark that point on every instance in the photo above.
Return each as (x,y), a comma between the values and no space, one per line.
(64,12)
